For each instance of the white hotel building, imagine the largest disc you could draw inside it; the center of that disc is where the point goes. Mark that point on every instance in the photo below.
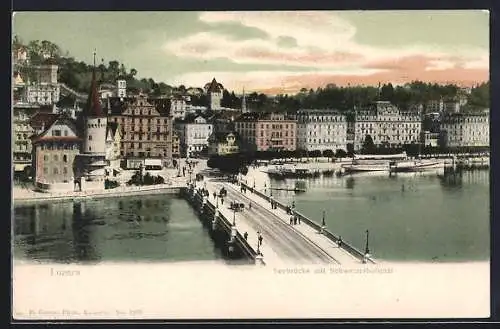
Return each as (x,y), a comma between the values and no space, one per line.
(321,130)
(462,129)
(193,134)
(387,125)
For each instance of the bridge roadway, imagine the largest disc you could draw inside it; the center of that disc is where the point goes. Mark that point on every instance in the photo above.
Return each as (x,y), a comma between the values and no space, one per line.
(282,243)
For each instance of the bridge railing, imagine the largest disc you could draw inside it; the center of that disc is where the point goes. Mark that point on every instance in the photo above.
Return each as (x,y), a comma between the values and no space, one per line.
(346,246)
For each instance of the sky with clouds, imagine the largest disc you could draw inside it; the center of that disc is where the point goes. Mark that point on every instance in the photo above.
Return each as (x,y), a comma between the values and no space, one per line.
(276,52)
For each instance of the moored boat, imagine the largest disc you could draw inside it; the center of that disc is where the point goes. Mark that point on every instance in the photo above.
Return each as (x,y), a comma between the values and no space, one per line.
(416,165)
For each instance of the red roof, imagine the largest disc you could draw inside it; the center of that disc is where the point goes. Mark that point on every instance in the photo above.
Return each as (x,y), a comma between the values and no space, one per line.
(37,139)
(43,119)
(215,86)
(93,108)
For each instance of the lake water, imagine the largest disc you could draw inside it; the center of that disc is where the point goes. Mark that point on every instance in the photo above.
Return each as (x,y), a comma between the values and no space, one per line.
(430,219)
(410,217)
(141,228)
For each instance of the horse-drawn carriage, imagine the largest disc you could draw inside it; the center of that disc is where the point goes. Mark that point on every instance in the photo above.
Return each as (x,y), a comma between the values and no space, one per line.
(222,192)
(237,206)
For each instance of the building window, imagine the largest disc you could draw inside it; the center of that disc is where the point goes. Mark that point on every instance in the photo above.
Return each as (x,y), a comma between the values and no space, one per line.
(45,158)
(65,158)
(45,170)
(56,132)
(56,158)
(90,137)
(65,170)
(56,171)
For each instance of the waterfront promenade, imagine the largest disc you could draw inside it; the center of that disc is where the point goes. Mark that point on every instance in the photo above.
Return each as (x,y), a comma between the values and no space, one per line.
(282,242)
(24,195)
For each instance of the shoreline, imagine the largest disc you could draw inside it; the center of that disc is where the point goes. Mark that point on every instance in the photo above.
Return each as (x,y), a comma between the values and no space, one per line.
(149,190)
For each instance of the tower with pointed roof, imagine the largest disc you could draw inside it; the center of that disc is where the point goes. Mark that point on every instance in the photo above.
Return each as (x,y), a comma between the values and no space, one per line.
(91,163)
(95,121)
(214,91)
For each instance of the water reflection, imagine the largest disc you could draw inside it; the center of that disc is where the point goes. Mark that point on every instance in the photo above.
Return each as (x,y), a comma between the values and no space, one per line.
(128,229)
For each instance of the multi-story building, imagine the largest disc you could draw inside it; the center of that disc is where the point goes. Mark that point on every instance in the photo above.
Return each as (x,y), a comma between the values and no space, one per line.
(387,126)
(146,127)
(178,107)
(435,105)
(43,94)
(465,130)
(321,130)
(267,131)
(351,130)
(246,126)
(46,90)
(176,153)
(222,143)
(193,132)
(22,131)
(54,151)
(214,92)
(451,105)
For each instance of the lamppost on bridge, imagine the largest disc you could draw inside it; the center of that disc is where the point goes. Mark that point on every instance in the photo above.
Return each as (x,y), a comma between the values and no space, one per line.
(234,216)
(367,249)
(258,245)
(323,223)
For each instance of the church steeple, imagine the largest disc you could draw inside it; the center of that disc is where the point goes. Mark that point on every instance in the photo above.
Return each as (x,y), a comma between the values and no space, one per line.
(93,107)
(243,102)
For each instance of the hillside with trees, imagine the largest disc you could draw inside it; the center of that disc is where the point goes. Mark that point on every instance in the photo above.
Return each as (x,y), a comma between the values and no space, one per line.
(77,75)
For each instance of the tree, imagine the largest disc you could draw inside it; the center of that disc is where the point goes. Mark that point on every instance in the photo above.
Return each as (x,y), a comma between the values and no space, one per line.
(339,153)
(328,153)
(314,154)
(387,92)
(368,145)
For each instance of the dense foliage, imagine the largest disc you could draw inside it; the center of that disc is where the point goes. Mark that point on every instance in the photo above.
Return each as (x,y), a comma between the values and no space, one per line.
(147,179)
(231,164)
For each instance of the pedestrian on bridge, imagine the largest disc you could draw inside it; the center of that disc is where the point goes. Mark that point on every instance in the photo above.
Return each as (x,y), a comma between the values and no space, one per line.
(245,235)
(298,217)
(215,195)
(294,220)
(291,220)
(260,238)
